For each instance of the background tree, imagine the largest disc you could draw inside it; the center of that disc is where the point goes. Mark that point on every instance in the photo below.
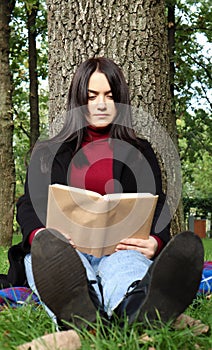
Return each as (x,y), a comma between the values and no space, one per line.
(15,110)
(7,173)
(31,11)
(20,63)
(134,34)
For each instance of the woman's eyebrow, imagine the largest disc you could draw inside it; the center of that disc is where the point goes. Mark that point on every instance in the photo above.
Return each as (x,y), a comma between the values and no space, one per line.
(97,92)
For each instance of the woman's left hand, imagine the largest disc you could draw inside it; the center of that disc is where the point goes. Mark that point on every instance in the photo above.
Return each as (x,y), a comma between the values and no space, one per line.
(147,247)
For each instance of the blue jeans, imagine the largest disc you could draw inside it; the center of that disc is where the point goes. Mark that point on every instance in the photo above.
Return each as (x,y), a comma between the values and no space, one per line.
(115,274)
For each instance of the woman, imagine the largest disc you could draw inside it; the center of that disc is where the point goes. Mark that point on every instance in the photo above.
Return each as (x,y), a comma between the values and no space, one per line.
(97,149)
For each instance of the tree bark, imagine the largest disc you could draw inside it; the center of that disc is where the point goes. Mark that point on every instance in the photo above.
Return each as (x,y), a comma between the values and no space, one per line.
(33,77)
(7,172)
(134,34)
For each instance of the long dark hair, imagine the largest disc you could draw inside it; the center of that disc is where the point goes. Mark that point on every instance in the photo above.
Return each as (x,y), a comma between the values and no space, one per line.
(74,127)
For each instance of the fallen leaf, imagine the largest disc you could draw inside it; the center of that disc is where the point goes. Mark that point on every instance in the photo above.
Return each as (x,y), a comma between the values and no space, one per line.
(144,338)
(197,326)
(68,340)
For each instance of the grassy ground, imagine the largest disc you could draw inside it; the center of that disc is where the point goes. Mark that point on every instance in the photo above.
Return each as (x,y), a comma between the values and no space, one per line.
(28,322)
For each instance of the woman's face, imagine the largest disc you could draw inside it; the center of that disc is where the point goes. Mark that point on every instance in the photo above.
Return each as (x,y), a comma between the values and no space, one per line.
(101,106)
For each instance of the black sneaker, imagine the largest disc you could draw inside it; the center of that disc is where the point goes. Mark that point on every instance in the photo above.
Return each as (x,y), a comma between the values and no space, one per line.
(60,278)
(175,279)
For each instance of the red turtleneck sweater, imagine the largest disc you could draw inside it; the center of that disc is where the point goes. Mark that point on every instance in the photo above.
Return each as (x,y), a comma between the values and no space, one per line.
(98,174)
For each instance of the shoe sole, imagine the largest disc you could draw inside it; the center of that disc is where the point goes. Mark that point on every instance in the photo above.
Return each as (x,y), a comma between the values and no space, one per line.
(175,279)
(60,278)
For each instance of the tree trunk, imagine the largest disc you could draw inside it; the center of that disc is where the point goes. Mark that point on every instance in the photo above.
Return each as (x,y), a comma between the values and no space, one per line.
(33,95)
(7,172)
(134,34)
(178,222)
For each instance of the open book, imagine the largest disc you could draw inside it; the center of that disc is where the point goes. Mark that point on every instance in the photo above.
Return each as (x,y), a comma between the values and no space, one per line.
(96,223)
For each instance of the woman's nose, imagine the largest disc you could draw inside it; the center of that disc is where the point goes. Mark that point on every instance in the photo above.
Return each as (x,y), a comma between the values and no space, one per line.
(101,103)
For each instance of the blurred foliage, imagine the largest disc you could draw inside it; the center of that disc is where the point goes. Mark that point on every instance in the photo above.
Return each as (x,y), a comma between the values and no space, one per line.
(201,205)
(193,83)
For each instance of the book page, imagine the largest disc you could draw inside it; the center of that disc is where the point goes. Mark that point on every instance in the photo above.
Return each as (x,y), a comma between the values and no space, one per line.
(78,190)
(112,196)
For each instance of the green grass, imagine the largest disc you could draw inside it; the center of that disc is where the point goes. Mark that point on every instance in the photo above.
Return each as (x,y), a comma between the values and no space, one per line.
(28,322)
(207,242)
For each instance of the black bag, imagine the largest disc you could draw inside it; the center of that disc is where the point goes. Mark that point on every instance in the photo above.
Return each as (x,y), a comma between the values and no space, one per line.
(16,276)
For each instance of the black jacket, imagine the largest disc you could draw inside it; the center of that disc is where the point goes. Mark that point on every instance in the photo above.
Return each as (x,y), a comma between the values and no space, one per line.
(135,168)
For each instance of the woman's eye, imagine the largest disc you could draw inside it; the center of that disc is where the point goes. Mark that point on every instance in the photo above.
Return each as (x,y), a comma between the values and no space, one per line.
(110,97)
(92,97)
